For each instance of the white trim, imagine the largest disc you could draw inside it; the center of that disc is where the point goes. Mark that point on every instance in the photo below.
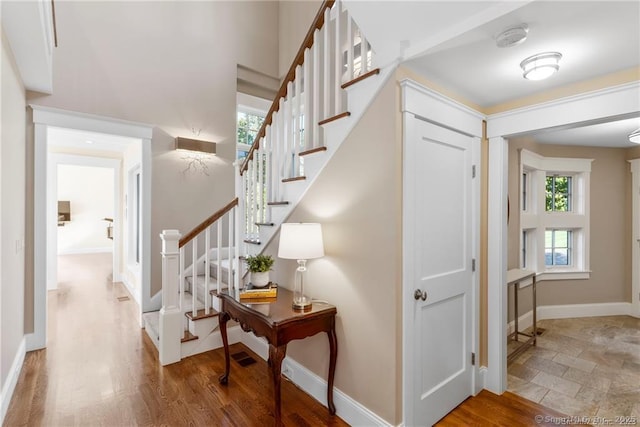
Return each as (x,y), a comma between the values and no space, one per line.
(570,311)
(42,118)
(350,410)
(9,385)
(438,109)
(497,267)
(635,237)
(563,275)
(614,101)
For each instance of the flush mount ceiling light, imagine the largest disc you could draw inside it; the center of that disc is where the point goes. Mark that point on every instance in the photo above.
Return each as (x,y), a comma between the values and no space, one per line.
(635,136)
(512,36)
(540,66)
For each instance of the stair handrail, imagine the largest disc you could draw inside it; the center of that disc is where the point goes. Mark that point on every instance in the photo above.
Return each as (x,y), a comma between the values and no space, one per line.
(207,222)
(318,22)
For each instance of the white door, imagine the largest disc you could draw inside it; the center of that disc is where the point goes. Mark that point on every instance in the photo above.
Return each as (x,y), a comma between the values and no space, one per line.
(438,269)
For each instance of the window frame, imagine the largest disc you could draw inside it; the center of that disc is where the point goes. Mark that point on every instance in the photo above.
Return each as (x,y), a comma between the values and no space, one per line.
(535,219)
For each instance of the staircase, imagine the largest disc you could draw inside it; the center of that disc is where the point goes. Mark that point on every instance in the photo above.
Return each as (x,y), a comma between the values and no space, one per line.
(327,89)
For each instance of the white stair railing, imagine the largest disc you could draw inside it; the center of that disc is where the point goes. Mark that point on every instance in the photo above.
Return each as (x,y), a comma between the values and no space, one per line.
(334,53)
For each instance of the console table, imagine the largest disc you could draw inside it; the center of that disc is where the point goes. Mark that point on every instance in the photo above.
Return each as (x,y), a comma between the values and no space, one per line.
(279,323)
(514,278)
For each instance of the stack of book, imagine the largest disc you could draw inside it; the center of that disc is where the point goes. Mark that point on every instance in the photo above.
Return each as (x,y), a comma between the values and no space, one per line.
(252,293)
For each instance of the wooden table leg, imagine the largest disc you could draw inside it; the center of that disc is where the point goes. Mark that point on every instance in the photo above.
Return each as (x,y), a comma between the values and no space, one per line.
(333,355)
(276,355)
(223,318)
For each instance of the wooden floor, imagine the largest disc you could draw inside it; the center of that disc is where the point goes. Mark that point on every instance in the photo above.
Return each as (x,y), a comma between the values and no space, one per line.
(100,368)
(488,409)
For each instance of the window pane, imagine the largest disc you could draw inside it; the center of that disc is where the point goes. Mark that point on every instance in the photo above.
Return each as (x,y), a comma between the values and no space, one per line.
(557,247)
(558,193)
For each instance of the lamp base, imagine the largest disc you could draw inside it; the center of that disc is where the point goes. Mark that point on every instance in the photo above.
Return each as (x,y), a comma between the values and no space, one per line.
(301,305)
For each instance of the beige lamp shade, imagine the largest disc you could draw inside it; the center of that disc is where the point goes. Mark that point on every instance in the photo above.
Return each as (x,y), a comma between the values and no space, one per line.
(301,241)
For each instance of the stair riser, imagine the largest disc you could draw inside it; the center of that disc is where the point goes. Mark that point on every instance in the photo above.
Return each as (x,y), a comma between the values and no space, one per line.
(203,327)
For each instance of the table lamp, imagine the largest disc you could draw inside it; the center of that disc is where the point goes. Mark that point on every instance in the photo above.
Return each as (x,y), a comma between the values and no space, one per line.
(300,241)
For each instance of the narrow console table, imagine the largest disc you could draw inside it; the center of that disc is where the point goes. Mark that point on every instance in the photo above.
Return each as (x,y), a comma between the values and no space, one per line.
(279,323)
(514,278)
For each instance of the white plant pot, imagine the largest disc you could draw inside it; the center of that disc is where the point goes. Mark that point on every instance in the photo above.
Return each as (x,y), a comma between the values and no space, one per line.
(260,279)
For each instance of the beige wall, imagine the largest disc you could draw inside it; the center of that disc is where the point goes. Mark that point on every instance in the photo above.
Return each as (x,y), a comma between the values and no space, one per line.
(294,20)
(610,229)
(633,153)
(360,273)
(12,210)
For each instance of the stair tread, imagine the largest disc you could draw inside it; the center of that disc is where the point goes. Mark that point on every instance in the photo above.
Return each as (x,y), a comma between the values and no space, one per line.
(213,283)
(267,224)
(200,314)
(252,241)
(188,336)
(312,151)
(334,118)
(360,78)
(295,178)
(277,203)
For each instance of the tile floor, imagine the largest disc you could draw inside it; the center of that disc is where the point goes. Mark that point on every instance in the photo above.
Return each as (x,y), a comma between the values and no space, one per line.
(583,367)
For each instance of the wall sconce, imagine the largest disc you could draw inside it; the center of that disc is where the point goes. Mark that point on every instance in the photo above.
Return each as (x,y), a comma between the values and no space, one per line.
(198,145)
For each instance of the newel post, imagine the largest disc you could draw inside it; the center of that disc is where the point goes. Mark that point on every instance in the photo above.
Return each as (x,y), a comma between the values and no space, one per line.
(170,315)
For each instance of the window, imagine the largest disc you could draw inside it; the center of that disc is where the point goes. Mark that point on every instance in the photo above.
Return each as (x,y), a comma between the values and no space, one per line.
(554,220)
(248,125)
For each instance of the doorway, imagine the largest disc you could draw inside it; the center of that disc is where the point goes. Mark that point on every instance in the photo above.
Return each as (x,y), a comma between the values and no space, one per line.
(46,121)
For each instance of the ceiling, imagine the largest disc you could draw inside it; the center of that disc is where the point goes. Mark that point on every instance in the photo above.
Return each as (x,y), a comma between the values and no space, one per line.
(452,44)
(84,140)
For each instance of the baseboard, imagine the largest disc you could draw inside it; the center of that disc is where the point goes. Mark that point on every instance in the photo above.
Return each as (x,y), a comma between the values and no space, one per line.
(573,310)
(131,290)
(12,379)
(80,251)
(351,411)
(480,375)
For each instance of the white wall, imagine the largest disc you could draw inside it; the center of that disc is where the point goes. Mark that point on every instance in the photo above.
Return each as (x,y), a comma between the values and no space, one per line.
(12,223)
(90,191)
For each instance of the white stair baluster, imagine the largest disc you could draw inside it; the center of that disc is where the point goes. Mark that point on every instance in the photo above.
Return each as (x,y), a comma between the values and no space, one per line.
(260,185)
(194,275)
(281,148)
(207,268)
(288,125)
(256,195)
(267,173)
(349,48)
(314,117)
(364,48)
(181,279)
(297,114)
(232,247)
(219,257)
(306,124)
(236,258)
(326,76)
(337,57)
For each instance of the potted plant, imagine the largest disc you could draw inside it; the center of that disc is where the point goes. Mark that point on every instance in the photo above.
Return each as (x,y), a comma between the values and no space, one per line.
(259,266)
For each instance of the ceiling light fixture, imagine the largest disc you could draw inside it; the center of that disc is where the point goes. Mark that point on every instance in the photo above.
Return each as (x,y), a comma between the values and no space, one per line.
(635,136)
(512,36)
(540,66)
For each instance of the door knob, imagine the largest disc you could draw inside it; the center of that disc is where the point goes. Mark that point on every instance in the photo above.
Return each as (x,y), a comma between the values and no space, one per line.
(418,294)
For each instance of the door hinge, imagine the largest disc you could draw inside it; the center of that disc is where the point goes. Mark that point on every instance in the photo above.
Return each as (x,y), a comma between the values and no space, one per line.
(473,264)
(473,359)
(473,171)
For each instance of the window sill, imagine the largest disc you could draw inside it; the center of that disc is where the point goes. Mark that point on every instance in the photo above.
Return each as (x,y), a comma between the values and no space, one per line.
(563,275)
